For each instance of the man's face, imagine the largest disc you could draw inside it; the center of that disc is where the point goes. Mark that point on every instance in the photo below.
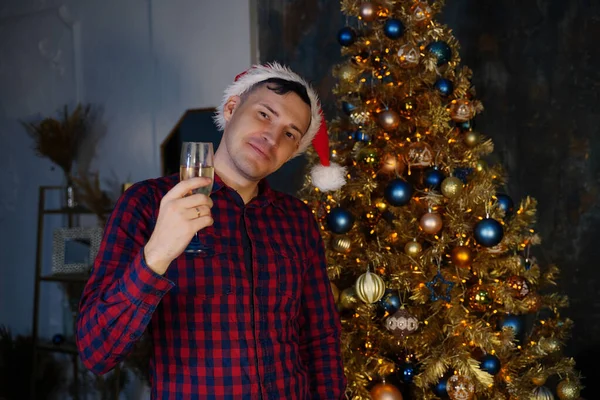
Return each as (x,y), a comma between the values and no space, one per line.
(263,131)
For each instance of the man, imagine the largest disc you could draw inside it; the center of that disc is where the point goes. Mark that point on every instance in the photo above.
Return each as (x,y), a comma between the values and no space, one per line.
(250,317)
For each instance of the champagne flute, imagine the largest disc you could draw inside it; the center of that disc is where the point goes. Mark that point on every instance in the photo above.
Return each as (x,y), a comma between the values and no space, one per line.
(197,160)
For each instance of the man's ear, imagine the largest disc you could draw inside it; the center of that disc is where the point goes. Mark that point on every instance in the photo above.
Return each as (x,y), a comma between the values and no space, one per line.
(230,106)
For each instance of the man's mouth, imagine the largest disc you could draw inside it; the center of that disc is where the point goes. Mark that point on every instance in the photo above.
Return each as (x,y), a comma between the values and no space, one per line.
(260,151)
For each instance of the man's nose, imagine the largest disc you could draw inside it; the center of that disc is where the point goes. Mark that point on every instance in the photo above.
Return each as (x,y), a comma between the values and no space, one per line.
(272,135)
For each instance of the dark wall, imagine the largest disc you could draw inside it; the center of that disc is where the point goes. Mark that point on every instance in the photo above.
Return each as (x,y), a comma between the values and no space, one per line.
(536,69)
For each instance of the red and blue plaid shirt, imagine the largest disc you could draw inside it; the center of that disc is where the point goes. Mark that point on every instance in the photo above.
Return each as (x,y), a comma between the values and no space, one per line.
(252,317)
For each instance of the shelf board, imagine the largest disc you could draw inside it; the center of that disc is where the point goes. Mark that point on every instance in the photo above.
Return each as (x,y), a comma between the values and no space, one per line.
(65,278)
(66,348)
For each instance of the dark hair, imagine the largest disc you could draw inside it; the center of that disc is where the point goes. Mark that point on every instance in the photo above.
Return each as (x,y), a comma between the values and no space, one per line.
(281,87)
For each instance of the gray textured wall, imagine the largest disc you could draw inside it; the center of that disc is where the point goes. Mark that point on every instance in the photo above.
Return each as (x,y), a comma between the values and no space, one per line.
(535,68)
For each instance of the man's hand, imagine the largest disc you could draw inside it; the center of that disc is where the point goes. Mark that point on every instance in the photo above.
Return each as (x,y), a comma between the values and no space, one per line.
(179,218)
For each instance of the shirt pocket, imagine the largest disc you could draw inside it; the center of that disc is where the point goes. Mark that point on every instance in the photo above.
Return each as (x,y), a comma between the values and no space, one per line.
(289,266)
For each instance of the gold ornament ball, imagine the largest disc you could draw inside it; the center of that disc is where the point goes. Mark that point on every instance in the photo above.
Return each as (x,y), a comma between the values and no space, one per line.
(431,223)
(460,387)
(567,390)
(385,391)
(451,187)
(542,393)
(389,120)
(462,110)
(370,288)
(348,298)
(335,291)
(472,138)
(347,72)
(461,256)
(481,165)
(409,56)
(539,379)
(392,164)
(413,248)
(549,345)
(368,12)
(341,244)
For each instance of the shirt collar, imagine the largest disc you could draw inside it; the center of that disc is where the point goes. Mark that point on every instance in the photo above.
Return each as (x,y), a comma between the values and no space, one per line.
(266,195)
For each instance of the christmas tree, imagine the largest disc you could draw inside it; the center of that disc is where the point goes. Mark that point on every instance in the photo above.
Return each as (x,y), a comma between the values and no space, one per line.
(429,258)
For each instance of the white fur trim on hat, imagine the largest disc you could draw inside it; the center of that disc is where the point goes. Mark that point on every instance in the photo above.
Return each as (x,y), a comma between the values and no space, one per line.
(260,73)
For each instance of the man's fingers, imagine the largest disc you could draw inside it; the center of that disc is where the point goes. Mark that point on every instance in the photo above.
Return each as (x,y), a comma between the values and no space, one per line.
(202,222)
(186,186)
(195,200)
(197,212)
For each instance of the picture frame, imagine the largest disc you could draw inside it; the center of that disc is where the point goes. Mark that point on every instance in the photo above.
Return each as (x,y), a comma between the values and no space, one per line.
(74,249)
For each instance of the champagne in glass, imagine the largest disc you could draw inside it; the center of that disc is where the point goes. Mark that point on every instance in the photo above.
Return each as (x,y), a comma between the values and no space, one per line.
(197,160)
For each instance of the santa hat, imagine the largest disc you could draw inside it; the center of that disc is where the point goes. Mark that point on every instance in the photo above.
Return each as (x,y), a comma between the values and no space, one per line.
(327,176)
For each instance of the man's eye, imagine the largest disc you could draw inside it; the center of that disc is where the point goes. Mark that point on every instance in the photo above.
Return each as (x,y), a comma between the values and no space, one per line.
(290,135)
(263,114)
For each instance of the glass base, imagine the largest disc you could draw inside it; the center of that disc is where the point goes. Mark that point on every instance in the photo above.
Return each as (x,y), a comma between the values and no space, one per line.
(194,246)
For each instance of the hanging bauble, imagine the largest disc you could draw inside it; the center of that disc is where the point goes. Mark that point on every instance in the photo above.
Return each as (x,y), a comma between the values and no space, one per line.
(419,155)
(370,288)
(444,86)
(408,106)
(421,13)
(441,51)
(433,177)
(392,164)
(439,389)
(398,192)
(513,322)
(402,323)
(348,73)
(462,110)
(341,244)
(539,379)
(568,390)
(368,156)
(360,117)
(518,286)
(479,298)
(390,302)
(462,174)
(505,203)
(336,292)
(339,220)
(549,345)
(431,223)
(488,232)
(388,120)
(408,56)
(385,391)
(348,298)
(346,36)
(542,393)
(368,12)
(461,256)
(407,372)
(360,136)
(348,108)
(413,248)
(452,187)
(472,138)
(460,387)
(490,364)
(481,165)
(533,302)
(393,28)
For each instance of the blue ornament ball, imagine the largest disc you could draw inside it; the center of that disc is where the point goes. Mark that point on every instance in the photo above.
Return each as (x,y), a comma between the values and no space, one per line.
(488,232)
(506,204)
(513,322)
(339,220)
(444,86)
(490,363)
(441,50)
(398,192)
(407,372)
(465,126)
(360,136)
(433,178)
(393,28)
(346,36)
(462,174)
(439,389)
(390,301)
(348,107)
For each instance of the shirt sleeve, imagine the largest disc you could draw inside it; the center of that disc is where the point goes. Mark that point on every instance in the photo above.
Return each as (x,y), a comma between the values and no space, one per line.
(320,327)
(122,292)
